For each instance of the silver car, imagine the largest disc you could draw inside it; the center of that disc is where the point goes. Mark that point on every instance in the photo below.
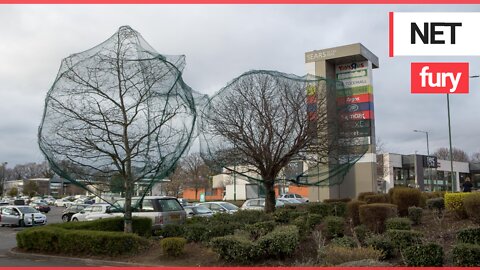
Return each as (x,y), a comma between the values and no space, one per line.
(258,204)
(220,207)
(20,215)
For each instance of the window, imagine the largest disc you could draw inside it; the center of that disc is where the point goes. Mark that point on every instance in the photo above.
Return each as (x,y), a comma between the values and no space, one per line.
(169,205)
(147,206)
(215,207)
(97,209)
(7,211)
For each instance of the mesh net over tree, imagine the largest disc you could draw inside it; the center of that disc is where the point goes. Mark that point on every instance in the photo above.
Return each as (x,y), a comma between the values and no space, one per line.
(118,116)
(268,126)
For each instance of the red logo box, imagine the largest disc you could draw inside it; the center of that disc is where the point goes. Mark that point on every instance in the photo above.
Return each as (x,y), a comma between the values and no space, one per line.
(439,78)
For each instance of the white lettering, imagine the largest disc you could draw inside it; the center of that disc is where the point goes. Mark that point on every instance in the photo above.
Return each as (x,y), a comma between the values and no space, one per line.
(441,80)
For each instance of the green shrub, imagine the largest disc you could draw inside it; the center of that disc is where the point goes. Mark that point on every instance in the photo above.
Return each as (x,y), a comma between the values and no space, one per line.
(454,202)
(362,233)
(280,243)
(321,209)
(260,229)
(415,214)
(353,211)
(398,223)
(383,244)
(282,215)
(173,246)
(333,226)
(248,217)
(141,225)
(469,236)
(466,255)
(345,200)
(295,214)
(302,225)
(434,194)
(217,230)
(195,232)
(54,239)
(361,195)
(424,255)
(234,249)
(472,206)
(313,220)
(402,239)
(335,255)
(338,209)
(374,215)
(436,204)
(404,198)
(171,230)
(376,198)
(345,241)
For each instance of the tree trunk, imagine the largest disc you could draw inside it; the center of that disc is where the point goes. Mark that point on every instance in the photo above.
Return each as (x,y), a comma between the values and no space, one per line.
(269,196)
(127,228)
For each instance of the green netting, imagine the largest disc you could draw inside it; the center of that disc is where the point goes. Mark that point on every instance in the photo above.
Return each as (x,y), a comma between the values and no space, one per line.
(267,121)
(117,112)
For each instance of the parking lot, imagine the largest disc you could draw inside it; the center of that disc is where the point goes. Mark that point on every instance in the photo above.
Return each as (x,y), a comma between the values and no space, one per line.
(8,241)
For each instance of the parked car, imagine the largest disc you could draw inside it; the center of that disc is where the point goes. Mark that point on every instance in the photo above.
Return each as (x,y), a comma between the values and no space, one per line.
(161,209)
(198,211)
(21,216)
(64,202)
(72,210)
(50,201)
(289,201)
(40,206)
(258,204)
(294,196)
(220,207)
(90,212)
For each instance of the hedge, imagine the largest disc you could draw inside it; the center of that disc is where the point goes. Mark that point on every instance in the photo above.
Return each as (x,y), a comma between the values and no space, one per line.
(361,195)
(466,255)
(376,198)
(338,208)
(415,214)
(173,246)
(333,227)
(469,236)
(141,225)
(398,223)
(353,211)
(402,239)
(234,249)
(54,239)
(374,215)
(404,198)
(454,202)
(472,205)
(345,241)
(424,255)
(383,244)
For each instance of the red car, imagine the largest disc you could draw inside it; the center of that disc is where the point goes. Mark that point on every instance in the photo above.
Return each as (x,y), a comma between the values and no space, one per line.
(40,206)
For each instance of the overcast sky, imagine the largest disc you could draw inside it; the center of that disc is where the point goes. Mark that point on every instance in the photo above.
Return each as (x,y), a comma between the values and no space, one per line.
(221,42)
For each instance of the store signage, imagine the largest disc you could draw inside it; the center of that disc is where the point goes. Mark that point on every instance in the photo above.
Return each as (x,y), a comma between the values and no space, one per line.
(439,78)
(434,33)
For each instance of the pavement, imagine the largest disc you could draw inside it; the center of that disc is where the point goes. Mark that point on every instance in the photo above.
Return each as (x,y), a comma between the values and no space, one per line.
(11,257)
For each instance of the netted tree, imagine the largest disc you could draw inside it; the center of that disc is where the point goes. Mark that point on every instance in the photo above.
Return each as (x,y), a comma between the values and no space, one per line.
(263,120)
(118,114)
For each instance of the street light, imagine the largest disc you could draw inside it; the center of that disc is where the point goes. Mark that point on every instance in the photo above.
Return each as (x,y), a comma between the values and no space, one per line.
(4,164)
(428,154)
(450,136)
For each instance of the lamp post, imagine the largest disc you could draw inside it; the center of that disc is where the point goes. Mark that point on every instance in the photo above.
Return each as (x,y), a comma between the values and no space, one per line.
(4,165)
(428,154)
(450,137)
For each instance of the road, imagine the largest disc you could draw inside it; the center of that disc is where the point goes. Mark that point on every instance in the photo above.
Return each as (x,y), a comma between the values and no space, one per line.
(8,241)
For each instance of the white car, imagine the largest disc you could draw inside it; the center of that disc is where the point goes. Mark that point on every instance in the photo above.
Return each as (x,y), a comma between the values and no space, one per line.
(294,196)
(21,215)
(63,202)
(93,212)
(290,201)
(258,204)
(220,207)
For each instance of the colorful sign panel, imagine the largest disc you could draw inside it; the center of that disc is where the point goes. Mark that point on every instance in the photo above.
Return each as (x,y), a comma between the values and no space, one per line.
(355,102)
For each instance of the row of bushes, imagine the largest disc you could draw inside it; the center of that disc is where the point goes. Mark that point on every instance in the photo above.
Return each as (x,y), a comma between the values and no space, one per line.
(54,239)
(279,243)
(140,226)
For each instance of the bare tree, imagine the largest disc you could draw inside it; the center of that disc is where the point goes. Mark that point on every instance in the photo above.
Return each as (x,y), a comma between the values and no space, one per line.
(475,157)
(261,122)
(458,154)
(118,110)
(30,188)
(197,172)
